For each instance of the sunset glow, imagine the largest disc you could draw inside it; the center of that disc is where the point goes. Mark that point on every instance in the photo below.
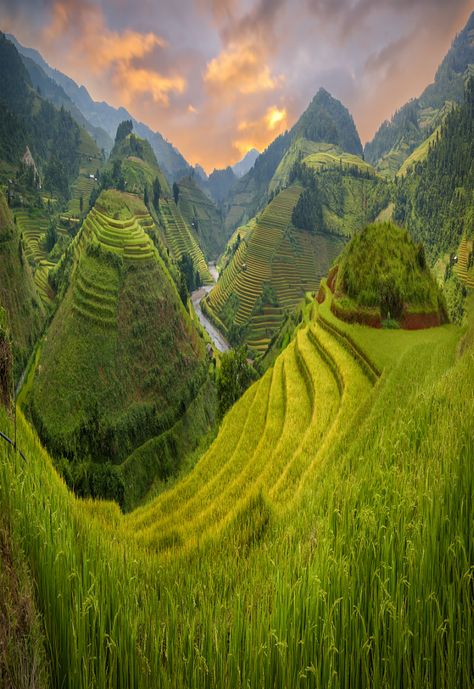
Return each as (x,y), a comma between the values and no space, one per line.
(216,77)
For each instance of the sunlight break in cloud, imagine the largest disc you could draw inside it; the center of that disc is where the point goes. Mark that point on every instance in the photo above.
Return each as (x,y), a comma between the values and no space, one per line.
(274,117)
(259,133)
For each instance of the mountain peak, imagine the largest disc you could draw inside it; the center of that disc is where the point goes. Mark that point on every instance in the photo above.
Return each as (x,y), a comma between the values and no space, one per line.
(327,120)
(247,162)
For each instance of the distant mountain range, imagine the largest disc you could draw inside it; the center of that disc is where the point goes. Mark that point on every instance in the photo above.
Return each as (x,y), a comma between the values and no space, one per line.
(243,166)
(102,119)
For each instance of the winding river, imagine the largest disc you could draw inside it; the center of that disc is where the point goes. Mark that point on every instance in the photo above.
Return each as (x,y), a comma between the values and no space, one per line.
(196,297)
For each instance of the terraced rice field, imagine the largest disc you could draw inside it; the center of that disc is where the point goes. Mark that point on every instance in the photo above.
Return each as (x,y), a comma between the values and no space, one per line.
(33,225)
(329,156)
(126,237)
(275,253)
(180,239)
(96,286)
(461,269)
(83,186)
(271,441)
(323,540)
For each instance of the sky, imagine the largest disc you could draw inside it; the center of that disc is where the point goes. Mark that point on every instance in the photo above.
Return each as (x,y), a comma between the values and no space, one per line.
(218,77)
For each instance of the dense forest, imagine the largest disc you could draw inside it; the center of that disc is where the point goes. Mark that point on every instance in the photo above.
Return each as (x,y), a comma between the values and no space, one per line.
(435,199)
(52,135)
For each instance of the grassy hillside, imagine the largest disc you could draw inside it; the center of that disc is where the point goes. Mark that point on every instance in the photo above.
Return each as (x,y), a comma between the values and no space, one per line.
(139,164)
(417,124)
(202,216)
(350,199)
(122,360)
(420,153)
(18,294)
(325,120)
(318,156)
(91,162)
(382,274)
(329,513)
(269,273)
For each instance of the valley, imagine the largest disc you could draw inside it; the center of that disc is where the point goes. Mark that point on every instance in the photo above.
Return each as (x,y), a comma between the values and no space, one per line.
(236,408)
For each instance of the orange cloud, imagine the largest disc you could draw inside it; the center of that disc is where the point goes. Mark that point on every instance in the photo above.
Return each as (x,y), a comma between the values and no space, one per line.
(259,133)
(132,81)
(240,68)
(110,53)
(95,39)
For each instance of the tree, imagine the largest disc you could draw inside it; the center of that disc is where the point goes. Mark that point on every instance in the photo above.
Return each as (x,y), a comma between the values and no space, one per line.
(186,269)
(55,177)
(146,200)
(93,197)
(81,204)
(117,175)
(175,193)
(234,377)
(123,130)
(156,192)
(51,236)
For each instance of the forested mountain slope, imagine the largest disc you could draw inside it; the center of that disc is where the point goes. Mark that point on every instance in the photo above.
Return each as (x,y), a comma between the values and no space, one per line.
(435,199)
(415,121)
(106,117)
(325,120)
(203,217)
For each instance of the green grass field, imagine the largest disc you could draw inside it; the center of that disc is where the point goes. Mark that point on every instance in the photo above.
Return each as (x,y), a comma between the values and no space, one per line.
(309,547)
(420,153)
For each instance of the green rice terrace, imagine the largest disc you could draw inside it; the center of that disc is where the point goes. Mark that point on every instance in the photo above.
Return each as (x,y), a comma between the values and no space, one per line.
(18,292)
(180,240)
(202,217)
(236,408)
(272,268)
(465,266)
(33,225)
(316,517)
(120,315)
